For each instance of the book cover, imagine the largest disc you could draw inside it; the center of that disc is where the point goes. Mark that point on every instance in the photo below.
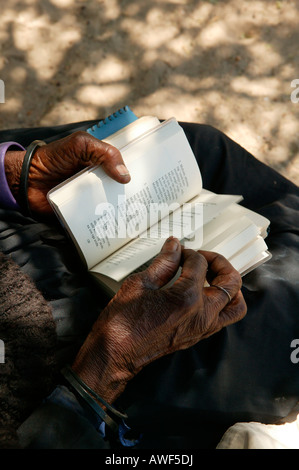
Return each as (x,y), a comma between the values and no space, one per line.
(112,123)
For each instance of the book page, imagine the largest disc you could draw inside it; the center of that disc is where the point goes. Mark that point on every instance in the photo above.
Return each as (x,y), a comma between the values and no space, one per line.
(132,131)
(245,257)
(128,258)
(102,215)
(254,262)
(224,230)
(236,211)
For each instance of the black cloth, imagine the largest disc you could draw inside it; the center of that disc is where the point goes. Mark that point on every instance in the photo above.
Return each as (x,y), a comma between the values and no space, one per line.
(244,372)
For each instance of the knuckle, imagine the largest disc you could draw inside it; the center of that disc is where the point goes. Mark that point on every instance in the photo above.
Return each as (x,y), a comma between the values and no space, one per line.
(196,255)
(223,261)
(236,279)
(162,268)
(131,286)
(112,152)
(79,142)
(219,259)
(200,261)
(133,281)
(218,256)
(242,306)
(239,307)
(204,261)
(78,136)
(186,298)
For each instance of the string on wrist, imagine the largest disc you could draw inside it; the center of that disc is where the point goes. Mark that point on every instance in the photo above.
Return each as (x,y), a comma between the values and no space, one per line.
(23,187)
(92,399)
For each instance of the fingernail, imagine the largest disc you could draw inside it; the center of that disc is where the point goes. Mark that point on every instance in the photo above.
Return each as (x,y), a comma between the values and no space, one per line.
(171,244)
(122,170)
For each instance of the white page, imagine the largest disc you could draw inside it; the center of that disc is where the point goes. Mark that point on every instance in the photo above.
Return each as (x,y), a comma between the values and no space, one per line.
(214,206)
(236,211)
(235,241)
(241,236)
(255,262)
(132,131)
(248,254)
(139,251)
(128,258)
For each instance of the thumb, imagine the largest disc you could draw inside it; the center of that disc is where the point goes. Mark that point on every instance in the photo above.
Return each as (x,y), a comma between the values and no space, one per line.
(164,266)
(113,164)
(109,157)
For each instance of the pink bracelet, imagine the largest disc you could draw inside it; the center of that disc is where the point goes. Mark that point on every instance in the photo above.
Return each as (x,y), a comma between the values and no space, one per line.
(6,198)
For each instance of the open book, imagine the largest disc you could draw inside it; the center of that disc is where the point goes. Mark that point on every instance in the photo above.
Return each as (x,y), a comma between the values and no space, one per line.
(118,229)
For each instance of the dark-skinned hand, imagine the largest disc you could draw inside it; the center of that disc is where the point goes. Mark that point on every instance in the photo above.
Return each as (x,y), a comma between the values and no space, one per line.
(144,322)
(57,161)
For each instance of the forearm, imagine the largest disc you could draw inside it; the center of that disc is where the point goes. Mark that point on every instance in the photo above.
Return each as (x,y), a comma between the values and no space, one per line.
(99,365)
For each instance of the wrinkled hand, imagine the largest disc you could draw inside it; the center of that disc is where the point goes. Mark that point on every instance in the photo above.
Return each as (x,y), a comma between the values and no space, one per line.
(144,322)
(57,161)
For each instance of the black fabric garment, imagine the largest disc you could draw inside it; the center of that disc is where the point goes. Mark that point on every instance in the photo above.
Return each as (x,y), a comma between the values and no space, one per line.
(244,372)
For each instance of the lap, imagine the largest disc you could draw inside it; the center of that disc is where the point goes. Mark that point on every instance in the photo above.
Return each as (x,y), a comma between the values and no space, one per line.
(243,372)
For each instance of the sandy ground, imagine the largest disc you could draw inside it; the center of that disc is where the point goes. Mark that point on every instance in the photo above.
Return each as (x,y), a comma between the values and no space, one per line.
(229,63)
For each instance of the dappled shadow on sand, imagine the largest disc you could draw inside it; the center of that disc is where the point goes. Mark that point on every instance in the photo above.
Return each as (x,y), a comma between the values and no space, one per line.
(225,63)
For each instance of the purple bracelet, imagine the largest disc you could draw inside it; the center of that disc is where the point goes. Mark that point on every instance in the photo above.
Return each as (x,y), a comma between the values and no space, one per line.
(6,198)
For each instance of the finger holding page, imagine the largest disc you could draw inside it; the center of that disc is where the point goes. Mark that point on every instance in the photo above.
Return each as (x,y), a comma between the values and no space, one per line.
(225,289)
(222,274)
(109,157)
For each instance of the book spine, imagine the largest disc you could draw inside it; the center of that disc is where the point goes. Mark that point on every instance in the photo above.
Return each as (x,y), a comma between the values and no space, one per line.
(112,123)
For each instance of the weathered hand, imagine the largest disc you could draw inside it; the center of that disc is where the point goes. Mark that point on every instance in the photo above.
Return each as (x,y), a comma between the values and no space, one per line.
(57,161)
(144,322)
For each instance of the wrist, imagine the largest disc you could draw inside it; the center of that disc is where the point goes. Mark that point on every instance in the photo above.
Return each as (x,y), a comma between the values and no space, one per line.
(7,199)
(98,365)
(105,380)
(13,165)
